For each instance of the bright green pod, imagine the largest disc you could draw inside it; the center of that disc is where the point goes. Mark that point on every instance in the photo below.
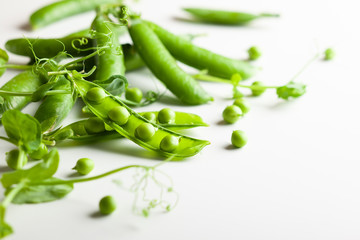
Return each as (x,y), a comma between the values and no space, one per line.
(164,66)
(188,146)
(217,65)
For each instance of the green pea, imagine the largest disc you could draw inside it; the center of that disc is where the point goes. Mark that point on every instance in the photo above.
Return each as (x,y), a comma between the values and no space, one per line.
(107,205)
(166,115)
(96,95)
(145,131)
(242,104)
(238,138)
(133,94)
(150,116)
(254,53)
(16,159)
(40,152)
(259,89)
(119,114)
(84,166)
(94,125)
(169,143)
(329,54)
(231,114)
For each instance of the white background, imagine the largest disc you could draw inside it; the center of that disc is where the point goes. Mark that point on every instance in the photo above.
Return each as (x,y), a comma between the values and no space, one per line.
(297,178)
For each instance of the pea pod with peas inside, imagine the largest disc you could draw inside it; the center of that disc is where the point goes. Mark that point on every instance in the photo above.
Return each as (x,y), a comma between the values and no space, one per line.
(133,126)
(77,131)
(164,66)
(188,53)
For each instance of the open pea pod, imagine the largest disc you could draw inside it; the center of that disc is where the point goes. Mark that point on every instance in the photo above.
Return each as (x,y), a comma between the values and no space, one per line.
(77,130)
(186,146)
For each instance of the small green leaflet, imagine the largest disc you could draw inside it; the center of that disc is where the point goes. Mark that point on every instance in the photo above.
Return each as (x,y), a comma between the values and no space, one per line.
(116,84)
(291,89)
(23,129)
(5,228)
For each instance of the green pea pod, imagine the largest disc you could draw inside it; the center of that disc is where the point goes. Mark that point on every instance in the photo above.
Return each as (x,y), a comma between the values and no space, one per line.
(63,9)
(132,59)
(53,110)
(187,146)
(200,58)
(23,82)
(77,130)
(225,17)
(4,58)
(111,61)
(164,66)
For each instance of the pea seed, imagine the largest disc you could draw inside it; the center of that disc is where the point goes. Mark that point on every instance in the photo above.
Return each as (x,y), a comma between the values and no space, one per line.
(150,116)
(166,115)
(40,152)
(169,143)
(133,94)
(145,131)
(84,166)
(254,53)
(238,138)
(231,114)
(329,54)
(119,114)
(96,95)
(258,90)
(107,205)
(242,104)
(94,125)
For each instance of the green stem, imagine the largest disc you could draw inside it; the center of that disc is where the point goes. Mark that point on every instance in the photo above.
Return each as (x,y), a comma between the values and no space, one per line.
(58,73)
(12,193)
(14,66)
(55,92)
(8,140)
(305,66)
(269,15)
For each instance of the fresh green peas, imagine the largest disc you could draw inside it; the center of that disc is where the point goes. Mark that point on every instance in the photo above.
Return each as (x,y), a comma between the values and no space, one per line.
(254,53)
(258,88)
(242,104)
(94,125)
(231,114)
(329,54)
(107,205)
(145,131)
(16,159)
(134,94)
(40,152)
(119,114)
(96,95)
(84,166)
(169,143)
(166,115)
(238,138)
(150,116)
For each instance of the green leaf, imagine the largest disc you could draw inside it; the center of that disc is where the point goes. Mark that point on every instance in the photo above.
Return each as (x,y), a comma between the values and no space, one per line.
(116,84)
(43,193)
(291,89)
(5,228)
(37,173)
(22,128)
(43,89)
(3,60)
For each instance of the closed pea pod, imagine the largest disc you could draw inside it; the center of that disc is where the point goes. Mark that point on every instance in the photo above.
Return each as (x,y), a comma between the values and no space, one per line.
(200,58)
(164,66)
(187,146)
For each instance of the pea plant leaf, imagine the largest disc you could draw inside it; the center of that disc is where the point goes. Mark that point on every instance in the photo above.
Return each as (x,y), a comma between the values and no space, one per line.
(37,173)
(43,193)
(43,89)
(116,84)
(23,129)
(3,60)
(291,89)
(5,228)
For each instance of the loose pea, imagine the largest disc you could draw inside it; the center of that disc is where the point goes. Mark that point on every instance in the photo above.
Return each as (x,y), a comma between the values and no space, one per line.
(258,90)
(84,166)
(254,53)
(96,94)
(329,54)
(242,104)
(231,114)
(16,159)
(238,138)
(145,131)
(107,205)
(40,152)
(169,143)
(134,94)
(94,125)
(150,116)
(166,115)
(119,114)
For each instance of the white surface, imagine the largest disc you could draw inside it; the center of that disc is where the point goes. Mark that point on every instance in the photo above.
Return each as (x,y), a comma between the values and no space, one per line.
(298,177)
